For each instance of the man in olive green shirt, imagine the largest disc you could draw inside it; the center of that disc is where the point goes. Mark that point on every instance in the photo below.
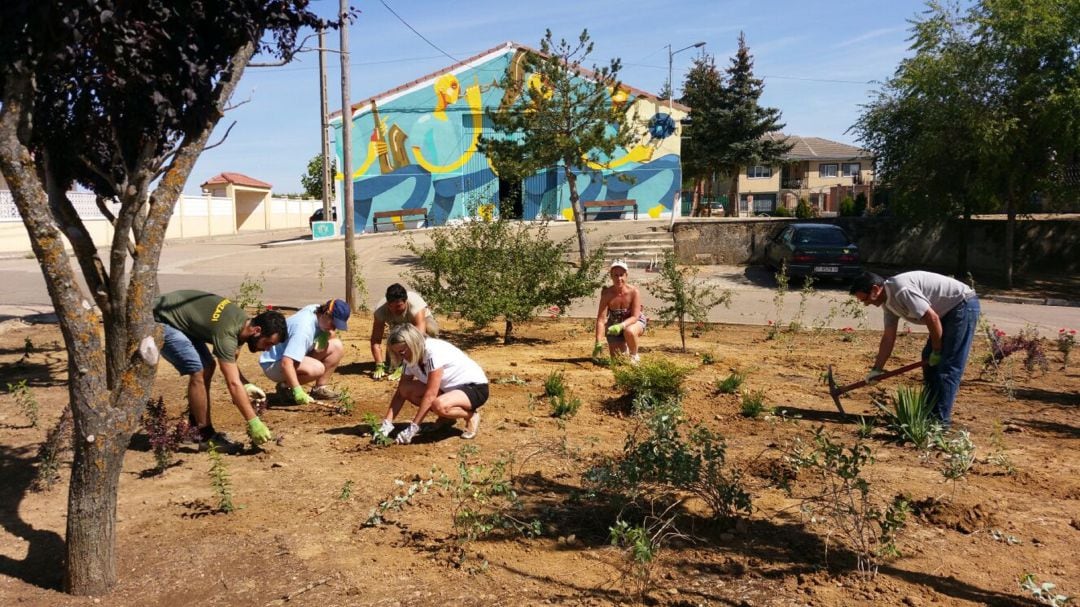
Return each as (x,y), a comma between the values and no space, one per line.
(193,319)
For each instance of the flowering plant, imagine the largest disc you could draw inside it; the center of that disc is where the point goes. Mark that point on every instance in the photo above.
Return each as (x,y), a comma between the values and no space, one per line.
(1027,341)
(1066,339)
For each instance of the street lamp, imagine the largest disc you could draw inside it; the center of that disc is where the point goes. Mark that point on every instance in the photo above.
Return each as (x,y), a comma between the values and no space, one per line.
(671,84)
(671,100)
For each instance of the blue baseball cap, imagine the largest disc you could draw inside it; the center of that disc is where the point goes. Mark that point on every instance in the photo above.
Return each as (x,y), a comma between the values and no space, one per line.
(339,311)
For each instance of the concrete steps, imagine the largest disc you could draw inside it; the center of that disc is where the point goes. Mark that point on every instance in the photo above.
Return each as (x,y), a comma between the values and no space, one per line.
(641,249)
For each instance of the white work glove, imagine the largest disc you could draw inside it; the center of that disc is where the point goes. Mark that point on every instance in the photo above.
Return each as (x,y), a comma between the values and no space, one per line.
(254,392)
(871,377)
(405,436)
(386,427)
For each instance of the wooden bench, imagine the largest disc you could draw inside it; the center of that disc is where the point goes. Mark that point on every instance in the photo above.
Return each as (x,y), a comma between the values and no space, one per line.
(599,206)
(391,216)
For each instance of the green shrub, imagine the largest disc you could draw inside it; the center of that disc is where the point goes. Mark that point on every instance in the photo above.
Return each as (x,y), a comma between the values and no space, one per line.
(781,211)
(485,500)
(753,403)
(687,300)
(657,459)
(564,407)
(844,499)
(651,381)
(484,270)
(731,383)
(847,207)
(860,204)
(554,385)
(911,418)
(803,210)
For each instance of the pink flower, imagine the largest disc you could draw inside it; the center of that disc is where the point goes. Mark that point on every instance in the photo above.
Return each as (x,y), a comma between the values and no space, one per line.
(847,330)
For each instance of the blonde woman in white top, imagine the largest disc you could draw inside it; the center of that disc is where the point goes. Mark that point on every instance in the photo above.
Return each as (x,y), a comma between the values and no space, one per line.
(438,377)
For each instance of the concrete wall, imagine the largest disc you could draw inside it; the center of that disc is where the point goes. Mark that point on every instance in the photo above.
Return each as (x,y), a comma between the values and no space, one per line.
(1043,245)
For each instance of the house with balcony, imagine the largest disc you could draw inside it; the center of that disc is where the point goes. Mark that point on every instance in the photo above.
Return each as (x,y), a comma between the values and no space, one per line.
(820,170)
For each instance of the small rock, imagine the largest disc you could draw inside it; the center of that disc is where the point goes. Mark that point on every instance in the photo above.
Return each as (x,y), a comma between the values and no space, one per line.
(911,601)
(277,465)
(673,591)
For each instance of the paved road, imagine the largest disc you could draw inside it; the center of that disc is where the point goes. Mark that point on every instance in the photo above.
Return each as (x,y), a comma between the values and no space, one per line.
(295,272)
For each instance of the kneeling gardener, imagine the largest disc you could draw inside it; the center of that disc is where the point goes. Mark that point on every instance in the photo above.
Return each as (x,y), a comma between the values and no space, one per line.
(950,311)
(191,320)
(311,353)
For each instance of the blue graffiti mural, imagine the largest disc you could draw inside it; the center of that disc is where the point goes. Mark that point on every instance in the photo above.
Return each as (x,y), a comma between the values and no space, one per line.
(417,148)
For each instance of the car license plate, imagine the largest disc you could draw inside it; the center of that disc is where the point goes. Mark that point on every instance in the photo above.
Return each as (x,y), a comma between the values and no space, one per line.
(827,269)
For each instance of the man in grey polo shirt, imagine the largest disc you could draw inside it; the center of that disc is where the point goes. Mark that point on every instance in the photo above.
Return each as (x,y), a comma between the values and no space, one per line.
(950,311)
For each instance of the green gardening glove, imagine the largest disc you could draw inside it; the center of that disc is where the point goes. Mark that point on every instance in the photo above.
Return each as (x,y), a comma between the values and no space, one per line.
(322,340)
(301,397)
(597,350)
(396,375)
(935,358)
(380,371)
(258,432)
(615,329)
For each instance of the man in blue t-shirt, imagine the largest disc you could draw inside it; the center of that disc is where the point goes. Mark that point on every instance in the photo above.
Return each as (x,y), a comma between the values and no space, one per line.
(311,353)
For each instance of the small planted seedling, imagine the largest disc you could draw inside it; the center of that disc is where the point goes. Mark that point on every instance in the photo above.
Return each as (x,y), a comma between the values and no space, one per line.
(911,418)
(398,499)
(564,407)
(707,358)
(1044,593)
(864,426)
(346,491)
(163,439)
(730,384)
(219,480)
(555,385)
(378,436)
(753,403)
(56,442)
(345,403)
(25,401)
(959,451)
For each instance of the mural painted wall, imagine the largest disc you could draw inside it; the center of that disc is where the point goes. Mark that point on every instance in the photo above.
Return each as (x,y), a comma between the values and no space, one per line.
(416,148)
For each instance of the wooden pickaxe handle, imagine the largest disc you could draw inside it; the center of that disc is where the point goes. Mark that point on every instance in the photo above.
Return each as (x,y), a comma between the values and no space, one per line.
(835,391)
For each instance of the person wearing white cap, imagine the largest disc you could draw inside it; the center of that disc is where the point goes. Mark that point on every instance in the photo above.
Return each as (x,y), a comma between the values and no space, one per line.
(620,317)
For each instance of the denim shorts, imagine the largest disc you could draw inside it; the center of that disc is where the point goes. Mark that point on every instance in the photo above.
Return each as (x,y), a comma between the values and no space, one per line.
(185,355)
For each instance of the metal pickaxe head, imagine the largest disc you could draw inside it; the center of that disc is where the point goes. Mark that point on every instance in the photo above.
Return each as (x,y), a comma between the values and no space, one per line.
(834,391)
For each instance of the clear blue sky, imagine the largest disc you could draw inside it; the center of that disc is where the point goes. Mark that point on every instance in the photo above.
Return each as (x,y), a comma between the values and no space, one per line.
(818,59)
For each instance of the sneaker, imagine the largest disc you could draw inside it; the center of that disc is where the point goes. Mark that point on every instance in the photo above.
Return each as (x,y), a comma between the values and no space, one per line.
(472,426)
(324,392)
(222,443)
(635,359)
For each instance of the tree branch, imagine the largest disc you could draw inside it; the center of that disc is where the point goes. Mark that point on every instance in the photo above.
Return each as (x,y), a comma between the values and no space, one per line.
(223,138)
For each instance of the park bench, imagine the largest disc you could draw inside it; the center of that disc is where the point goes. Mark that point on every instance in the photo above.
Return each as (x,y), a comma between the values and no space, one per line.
(391,216)
(600,206)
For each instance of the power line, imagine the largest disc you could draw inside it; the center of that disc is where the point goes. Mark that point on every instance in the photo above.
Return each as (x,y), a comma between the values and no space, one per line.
(818,79)
(406,23)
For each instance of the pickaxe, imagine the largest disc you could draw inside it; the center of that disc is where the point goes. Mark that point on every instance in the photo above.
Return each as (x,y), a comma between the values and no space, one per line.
(835,391)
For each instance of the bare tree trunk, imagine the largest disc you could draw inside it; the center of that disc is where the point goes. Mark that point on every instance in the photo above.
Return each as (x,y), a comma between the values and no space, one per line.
(508,334)
(579,219)
(733,197)
(108,382)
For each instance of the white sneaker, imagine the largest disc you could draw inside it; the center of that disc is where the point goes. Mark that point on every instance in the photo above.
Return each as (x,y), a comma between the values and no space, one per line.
(634,359)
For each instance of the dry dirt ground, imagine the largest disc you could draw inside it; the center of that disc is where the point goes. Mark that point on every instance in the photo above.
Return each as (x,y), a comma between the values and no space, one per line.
(299,539)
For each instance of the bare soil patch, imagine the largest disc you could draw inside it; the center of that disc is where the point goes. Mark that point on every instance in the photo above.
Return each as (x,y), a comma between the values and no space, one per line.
(300,539)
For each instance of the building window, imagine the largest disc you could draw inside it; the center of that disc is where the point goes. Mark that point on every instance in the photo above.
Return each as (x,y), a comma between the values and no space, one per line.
(827,170)
(851,169)
(759,172)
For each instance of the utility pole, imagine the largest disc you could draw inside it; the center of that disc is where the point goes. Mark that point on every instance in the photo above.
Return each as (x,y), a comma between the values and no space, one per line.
(346,162)
(327,173)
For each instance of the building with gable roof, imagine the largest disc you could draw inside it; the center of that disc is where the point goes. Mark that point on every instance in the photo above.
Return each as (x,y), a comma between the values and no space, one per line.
(414,146)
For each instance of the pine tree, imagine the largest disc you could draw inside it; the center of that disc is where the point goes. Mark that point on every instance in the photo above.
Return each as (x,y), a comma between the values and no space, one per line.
(702,91)
(746,131)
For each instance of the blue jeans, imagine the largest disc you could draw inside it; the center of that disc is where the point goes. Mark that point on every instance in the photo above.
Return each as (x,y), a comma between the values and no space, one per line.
(942,381)
(185,355)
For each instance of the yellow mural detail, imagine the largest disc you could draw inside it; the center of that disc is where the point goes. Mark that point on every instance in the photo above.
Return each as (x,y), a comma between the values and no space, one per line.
(486,212)
(639,153)
(568,214)
(446,92)
(655,211)
(375,150)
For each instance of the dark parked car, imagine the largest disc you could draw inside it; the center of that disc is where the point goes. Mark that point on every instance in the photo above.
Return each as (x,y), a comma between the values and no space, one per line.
(318,215)
(814,249)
